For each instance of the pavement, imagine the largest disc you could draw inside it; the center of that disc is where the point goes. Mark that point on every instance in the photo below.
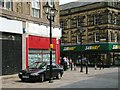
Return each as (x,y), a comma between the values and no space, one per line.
(9,76)
(104,78)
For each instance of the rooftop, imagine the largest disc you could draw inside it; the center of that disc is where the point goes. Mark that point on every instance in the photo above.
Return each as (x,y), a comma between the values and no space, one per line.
(82,3)
(73,5)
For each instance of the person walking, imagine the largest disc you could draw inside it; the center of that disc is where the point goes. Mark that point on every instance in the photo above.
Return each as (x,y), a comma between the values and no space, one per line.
(71,64)
(65,63)
(75,61)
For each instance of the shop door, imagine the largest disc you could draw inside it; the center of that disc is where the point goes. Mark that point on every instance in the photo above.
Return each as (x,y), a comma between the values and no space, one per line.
(11,54)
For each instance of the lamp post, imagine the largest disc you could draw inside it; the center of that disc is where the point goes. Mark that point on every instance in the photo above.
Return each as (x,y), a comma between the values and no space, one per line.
(80,30)
(50,13)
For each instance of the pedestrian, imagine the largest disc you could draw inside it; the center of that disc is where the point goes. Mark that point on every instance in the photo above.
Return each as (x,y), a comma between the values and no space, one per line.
(75,61)
(71,64)
(65,63)
(68,64)
(102,62)
(95,63)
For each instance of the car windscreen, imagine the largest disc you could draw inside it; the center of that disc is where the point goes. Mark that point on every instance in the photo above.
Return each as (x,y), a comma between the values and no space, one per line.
(38,65)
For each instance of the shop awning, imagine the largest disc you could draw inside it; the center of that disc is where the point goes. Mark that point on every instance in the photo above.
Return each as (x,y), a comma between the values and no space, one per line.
(94,47)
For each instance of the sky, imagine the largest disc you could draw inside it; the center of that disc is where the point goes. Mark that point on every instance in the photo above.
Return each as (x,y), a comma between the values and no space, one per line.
(66,1)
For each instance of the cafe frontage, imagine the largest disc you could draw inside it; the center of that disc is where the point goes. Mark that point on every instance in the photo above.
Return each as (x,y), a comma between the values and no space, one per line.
(108,53)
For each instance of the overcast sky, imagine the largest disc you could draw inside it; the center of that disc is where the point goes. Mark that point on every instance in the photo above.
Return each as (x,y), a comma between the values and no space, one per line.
(65,1)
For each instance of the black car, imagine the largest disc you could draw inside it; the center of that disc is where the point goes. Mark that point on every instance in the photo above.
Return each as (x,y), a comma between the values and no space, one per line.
(39,71)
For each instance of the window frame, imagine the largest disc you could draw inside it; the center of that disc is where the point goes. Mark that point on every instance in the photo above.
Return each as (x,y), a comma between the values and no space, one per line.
(35,8)
(5,4)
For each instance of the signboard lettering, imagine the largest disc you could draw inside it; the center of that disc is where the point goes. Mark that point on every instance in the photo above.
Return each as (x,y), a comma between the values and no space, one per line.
(92,47)
(69,48)
(116,47)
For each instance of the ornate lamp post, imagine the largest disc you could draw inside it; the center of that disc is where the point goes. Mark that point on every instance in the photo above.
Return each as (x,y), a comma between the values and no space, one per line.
(80,30)
(50,13)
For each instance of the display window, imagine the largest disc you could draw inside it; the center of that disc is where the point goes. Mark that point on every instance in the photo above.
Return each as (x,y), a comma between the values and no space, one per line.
(40,55)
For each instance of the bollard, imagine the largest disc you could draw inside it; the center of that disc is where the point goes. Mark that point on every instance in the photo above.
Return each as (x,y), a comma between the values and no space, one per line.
(87,67)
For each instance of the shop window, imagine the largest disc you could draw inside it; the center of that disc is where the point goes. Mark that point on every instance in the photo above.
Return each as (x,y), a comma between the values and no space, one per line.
(39,55)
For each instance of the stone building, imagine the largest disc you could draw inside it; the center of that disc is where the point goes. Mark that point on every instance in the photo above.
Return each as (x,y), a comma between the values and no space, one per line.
(91,24)
(24,33)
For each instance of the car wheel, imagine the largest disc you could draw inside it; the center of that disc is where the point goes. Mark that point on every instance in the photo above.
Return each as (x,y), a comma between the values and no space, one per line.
(42,78)
(23,80)
(59,76)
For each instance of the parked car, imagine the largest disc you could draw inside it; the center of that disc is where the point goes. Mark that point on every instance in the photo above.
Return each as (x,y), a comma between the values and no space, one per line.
(39,71)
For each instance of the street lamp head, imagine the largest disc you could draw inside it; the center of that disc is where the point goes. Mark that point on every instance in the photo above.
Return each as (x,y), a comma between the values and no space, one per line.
(53,10)
(50,11)
(47,9)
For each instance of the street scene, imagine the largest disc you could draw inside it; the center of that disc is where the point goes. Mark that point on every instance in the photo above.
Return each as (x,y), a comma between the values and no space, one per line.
(104,78)
(59,44)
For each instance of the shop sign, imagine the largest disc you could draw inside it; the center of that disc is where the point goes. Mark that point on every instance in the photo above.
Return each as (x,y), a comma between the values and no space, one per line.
(116,47)
(69,48)
(96,47)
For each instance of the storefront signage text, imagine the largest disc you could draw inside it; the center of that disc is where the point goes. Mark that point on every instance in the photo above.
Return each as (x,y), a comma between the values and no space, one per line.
(116,47)
(69,48)
(92,47)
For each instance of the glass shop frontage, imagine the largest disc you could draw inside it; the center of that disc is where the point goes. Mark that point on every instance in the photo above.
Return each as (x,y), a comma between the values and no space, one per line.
(108,53)
(38,49)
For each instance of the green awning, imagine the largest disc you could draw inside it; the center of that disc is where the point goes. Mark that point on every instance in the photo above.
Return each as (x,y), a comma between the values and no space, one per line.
(97,47)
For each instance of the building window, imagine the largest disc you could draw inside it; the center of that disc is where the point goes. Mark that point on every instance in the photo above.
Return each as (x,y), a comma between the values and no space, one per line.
(36,8)
(78,39)
(0,3)
(73,22)
(6,4)
(96,35)
(116,37)
(113,37)
(80,21)
(90,20)
(110,18)
(118,20)
(62,24)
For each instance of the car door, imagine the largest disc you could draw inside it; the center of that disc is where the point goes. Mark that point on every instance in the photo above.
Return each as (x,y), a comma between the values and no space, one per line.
(47,73)
(55,70)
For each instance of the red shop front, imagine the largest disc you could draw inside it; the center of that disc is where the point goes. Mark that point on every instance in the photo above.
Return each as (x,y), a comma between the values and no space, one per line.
(37,49)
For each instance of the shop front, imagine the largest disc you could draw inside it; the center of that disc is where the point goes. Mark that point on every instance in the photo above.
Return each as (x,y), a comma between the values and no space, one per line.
(109,53)
(38,49)
(37,43)
(11,46)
